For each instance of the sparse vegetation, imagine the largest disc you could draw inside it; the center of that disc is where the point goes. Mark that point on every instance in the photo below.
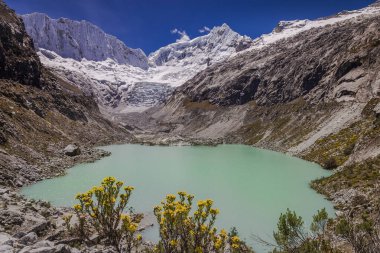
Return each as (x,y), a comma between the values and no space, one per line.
(103,209)
(292,237)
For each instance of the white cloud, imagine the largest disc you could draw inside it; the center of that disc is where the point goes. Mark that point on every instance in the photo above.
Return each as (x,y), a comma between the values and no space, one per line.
(182,35)
(204,29)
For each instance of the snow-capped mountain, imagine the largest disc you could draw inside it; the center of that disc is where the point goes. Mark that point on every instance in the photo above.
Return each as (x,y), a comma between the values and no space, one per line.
(287,29)
(80,40)
(113,72)
(113,81)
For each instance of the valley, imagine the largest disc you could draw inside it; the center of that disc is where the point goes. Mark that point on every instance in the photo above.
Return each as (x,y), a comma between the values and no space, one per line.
(310,89)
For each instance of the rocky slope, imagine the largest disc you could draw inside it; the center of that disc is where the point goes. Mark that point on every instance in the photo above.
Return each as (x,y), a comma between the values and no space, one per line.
(322,77)
(41,113)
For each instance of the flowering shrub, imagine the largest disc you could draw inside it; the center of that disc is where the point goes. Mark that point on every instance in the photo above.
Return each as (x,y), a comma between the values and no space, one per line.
(103,209)
(182,232)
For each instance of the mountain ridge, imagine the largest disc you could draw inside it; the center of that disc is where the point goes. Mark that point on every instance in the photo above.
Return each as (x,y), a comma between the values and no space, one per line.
(111,82)
(173,65)
(80,40)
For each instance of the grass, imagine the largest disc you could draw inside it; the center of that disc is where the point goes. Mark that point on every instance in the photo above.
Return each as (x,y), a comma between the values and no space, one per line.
(339,146)
(362,176)
(204,105)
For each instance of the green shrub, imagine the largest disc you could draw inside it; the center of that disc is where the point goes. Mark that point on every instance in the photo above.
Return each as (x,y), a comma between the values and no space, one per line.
(362,235)
(330,164)
(291,236)
(103,209)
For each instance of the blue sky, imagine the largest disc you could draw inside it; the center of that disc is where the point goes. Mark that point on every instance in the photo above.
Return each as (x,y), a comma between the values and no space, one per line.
(147,24)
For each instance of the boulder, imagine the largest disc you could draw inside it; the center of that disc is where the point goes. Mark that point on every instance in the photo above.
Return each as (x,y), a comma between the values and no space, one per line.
(29,239)
(4,191)
(39,247)
(40,227)
(6,249)
(6,239)
(61,248)
(8,217)
(72,150)
(377,110)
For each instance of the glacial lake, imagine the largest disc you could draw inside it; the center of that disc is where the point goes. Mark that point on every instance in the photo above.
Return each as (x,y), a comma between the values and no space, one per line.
(250,186)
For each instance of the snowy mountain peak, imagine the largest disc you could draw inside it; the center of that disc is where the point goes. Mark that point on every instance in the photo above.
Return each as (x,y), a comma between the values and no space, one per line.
(212,47)
(287,29)
(224,28)
(80,40)
(282,25)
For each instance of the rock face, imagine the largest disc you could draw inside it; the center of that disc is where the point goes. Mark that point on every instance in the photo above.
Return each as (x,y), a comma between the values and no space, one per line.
(18,61)
(80,40)
(321,64)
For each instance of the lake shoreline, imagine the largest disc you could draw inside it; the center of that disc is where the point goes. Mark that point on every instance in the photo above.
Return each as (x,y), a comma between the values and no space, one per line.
(89,155)
(247,151)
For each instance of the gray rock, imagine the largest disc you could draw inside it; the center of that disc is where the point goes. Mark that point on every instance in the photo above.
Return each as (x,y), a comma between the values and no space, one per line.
(39,247)
(29,238)
(40,227)
(8,217)
(72,150)
(44,243)
(61,248)
(43,250)
(377,110)
(6,239)
(3,191)
(19,234)
(6,249)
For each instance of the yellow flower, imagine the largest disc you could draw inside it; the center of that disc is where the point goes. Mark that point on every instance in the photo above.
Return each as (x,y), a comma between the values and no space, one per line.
(125,218)
(218,243)
(132,227)
(182,193)
(173,243)
(78,207)
(201,203)
(214,211)
(129,188)
(235,246)
(170,197)
(235,239)
(139,237)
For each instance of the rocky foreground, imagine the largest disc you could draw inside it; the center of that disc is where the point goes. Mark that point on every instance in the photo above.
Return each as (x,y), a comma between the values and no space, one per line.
(29,226)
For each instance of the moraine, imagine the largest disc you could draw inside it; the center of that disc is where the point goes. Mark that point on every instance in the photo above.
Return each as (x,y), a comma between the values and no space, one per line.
(250,186)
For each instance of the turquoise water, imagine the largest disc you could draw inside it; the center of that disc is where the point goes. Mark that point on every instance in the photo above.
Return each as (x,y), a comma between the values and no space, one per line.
(250,186)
